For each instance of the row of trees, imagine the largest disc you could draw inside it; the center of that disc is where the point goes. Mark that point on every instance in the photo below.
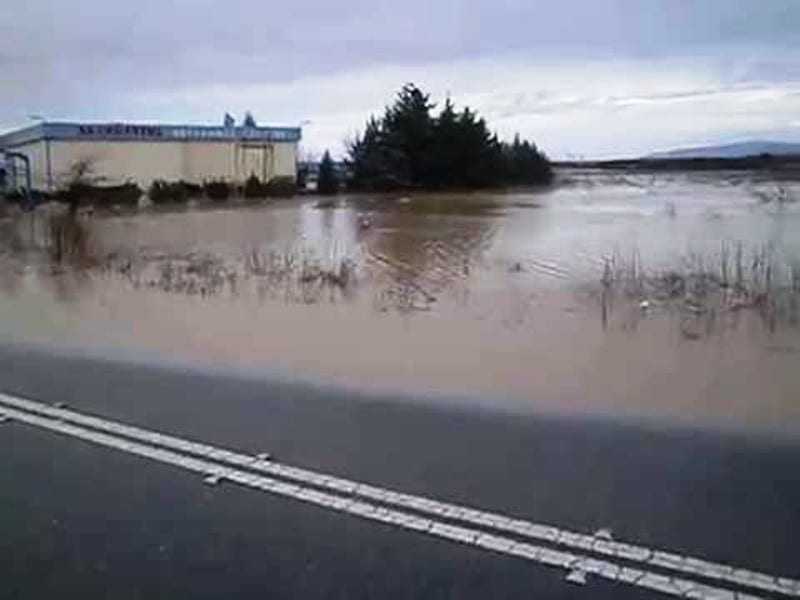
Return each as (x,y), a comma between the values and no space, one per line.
(409,147)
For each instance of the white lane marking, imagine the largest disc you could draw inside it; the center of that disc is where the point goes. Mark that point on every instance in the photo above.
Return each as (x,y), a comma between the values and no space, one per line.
(592,543)
(568,561)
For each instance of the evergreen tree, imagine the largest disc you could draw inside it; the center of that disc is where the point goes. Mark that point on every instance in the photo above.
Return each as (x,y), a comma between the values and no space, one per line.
(369,159)
(328,180)
(445,148)
(410,131)
(408,147)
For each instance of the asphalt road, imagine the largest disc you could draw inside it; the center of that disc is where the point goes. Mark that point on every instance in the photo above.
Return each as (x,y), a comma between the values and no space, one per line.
(83,521)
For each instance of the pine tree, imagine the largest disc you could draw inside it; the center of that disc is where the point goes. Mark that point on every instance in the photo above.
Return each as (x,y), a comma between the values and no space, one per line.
(328,180)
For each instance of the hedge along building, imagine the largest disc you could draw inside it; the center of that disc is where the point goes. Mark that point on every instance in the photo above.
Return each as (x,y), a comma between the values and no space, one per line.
(120,152)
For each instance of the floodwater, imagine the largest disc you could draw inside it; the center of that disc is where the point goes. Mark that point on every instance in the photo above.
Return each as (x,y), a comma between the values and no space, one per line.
(520,301)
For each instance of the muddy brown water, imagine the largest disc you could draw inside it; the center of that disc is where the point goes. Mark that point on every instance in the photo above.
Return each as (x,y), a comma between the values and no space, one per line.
(487,298)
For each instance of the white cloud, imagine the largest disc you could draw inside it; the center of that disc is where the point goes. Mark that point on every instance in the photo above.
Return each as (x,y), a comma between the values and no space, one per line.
(602,108)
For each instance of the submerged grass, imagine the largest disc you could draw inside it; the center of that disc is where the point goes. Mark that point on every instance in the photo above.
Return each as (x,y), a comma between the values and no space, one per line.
(736,278)
(292,274)
(301,273)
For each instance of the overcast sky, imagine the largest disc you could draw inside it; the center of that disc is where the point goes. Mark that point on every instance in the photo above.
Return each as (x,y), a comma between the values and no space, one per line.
(593,78)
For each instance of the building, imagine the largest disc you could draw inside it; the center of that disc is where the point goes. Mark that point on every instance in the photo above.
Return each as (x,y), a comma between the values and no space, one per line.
(120,152)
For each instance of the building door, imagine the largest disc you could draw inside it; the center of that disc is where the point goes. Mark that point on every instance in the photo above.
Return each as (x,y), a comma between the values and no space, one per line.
(254,160)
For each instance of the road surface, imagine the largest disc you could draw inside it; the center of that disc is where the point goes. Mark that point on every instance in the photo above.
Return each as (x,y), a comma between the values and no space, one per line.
(78,519)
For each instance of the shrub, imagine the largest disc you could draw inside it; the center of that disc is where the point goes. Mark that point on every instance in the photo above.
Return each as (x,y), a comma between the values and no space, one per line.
(281,186)
(194,190)
(35,198)
(253,188)
(127,194)
(164,192)
(161,192)
(14,197)
(218,189)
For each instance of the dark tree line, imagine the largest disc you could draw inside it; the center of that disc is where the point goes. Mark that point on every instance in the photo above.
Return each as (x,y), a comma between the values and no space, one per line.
(411,148)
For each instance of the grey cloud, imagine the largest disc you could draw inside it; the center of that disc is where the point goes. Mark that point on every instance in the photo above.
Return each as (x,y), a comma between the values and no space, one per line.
(89,59)
(237,41)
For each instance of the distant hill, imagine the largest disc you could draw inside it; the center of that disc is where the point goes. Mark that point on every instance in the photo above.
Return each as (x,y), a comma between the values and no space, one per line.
(737,150)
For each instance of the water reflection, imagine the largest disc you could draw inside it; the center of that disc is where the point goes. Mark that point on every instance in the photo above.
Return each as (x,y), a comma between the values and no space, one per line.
(539,296)
(402,260)
(416,259)
(486,254)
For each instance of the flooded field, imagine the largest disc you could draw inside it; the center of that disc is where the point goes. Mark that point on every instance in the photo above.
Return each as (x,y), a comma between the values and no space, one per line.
(648,296)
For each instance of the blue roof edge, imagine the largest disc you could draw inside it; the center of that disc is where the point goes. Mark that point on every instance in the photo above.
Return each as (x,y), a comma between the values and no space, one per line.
(128,131)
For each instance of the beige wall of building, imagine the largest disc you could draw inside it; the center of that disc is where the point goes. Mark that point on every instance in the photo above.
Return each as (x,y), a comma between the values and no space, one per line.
(144,161)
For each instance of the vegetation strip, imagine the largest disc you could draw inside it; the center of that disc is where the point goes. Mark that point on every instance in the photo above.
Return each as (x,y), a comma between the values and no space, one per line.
(55,417)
